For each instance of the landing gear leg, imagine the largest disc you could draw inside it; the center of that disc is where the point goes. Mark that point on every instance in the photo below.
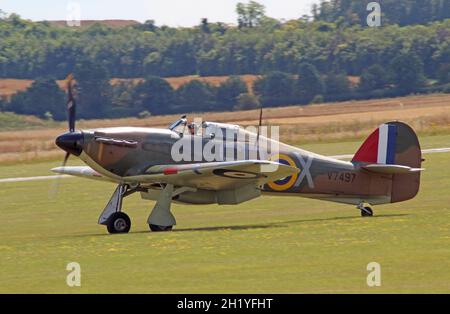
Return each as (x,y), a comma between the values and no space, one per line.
(161,218)
(366,211)
(112,216)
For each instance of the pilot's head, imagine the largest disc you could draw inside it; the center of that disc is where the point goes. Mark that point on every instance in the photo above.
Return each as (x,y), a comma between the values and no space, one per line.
(191,128)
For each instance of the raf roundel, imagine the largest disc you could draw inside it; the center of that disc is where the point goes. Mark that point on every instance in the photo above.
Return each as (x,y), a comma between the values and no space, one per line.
(288,182)
(236,174)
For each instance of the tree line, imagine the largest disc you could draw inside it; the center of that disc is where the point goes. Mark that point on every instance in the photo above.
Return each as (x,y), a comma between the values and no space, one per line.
(300,61)
(98,98)
(258,45)
(404,12)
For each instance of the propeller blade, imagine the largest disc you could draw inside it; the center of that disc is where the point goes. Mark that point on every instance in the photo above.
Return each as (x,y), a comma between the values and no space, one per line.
(260,123)
(260,116)
(55,187)
(259,132)
(66,158)
(71,104)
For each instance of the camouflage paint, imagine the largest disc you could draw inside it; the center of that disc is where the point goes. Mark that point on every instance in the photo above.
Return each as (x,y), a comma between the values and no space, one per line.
(125,152)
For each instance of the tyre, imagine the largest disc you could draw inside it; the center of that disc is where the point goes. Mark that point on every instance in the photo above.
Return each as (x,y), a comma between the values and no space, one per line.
(156,228)
(367,212)
(119,223)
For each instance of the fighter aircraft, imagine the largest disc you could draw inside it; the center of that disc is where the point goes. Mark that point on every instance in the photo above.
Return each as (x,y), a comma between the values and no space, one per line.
(386,169)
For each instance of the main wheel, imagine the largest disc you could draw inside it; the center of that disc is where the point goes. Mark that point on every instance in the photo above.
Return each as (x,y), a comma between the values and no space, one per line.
(119,223)
(156,228)
(367,212)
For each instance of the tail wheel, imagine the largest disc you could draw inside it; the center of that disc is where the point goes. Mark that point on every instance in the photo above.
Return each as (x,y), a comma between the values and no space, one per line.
(119,223)
(366,212)
(156,228)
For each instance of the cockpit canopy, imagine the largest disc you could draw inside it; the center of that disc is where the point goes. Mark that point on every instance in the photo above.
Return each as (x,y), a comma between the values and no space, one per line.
(179,126)
(205,129)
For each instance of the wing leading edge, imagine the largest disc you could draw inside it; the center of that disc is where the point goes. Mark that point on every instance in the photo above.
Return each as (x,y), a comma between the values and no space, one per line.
(82,172)
(217,175)
(210,176)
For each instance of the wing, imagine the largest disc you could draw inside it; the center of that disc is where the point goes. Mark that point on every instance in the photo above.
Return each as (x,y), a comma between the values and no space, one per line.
(216,175)
(83,172)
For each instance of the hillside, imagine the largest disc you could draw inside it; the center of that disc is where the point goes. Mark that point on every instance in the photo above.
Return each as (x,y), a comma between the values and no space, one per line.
(11,121)
(301,61)
(214,49)
(88,23)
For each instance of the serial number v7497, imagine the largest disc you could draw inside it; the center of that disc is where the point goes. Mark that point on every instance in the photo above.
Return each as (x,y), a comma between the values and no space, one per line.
(346,177)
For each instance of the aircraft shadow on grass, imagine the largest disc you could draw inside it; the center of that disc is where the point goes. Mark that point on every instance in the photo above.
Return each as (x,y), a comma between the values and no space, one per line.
(282,224)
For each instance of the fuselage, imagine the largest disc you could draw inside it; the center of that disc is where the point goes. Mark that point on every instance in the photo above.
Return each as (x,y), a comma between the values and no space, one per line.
(118,153)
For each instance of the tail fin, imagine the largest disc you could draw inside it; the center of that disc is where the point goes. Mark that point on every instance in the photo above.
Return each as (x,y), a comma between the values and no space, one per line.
(394,149)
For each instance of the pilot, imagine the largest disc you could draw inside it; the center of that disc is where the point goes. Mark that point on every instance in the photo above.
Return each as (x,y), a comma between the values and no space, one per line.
(191,128)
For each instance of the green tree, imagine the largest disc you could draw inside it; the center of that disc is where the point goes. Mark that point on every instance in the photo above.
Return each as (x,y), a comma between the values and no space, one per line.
(394,11)
(155,95)
(195,96)
(250,14)
(337,86)
(178,58)
(407,69)
(205,26)
(148,26)
(43,96)
(275,89)
(122,94)
(443,74)
(247,102)
(122,104)
(373,78)
(93,89)
(229,91)
(309,83)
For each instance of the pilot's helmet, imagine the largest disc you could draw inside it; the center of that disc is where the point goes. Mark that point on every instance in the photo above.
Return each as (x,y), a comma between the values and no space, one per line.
(191,128)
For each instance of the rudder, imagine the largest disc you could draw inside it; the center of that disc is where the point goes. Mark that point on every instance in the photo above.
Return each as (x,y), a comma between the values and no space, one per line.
(394,143)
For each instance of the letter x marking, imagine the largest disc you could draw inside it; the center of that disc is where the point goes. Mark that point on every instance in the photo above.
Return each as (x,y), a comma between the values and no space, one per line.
(306,166)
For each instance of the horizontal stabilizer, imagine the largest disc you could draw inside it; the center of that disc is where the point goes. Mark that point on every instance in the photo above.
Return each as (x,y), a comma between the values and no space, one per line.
(391,169)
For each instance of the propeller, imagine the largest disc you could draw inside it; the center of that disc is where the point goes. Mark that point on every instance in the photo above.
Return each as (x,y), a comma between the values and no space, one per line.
(66,140)
(66,158)
(260,123)
(71,104)
(55,187)
(259,129)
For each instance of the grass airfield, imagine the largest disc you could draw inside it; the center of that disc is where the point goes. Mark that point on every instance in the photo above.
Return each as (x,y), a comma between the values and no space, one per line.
(269,245)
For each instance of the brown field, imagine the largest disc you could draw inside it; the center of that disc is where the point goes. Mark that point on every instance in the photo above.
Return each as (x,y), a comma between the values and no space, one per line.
(176,82)
(9,87)
(428,114)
